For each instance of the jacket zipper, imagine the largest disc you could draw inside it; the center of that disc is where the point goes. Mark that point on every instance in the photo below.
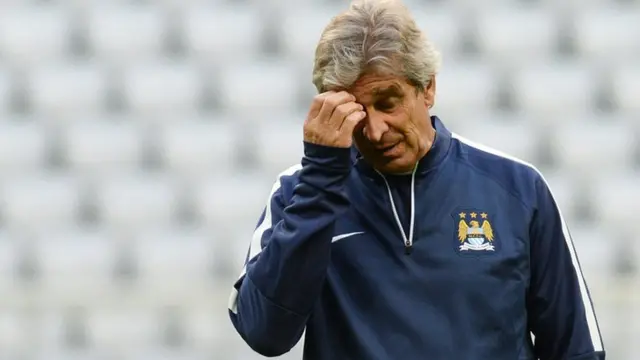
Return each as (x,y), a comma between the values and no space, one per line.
(407,239)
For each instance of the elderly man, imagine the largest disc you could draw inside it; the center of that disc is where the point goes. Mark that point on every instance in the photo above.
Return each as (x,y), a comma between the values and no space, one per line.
(396,239)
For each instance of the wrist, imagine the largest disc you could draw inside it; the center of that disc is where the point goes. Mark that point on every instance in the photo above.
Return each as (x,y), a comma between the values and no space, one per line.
(336,158)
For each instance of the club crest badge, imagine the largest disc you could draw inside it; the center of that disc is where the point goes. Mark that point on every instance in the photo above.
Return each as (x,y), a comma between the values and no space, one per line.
(474,232)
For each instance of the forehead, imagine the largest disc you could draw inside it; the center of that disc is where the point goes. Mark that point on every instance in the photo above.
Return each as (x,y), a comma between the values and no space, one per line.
(371,86)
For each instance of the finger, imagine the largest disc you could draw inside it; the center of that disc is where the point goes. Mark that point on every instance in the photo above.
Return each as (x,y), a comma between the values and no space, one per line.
(317,102)
(331,102)
(351,122)
(341,112)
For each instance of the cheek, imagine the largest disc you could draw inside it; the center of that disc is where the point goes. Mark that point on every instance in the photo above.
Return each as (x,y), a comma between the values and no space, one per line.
(401,119)
(413,139)
(412,132)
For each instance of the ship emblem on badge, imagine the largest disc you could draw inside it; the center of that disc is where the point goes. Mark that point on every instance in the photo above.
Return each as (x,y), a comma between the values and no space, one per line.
(475,233)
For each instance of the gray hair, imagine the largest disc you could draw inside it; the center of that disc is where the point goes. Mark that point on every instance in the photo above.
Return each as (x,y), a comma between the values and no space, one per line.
(373,35)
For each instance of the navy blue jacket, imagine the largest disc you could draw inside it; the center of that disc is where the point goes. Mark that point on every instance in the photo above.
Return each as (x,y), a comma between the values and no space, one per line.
(462,260)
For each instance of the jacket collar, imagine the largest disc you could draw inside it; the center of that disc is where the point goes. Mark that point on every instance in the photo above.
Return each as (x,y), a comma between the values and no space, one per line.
(433,158)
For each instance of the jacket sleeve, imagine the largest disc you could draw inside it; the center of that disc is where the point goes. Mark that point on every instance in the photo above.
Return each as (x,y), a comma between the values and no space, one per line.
(561,315)
(290,252)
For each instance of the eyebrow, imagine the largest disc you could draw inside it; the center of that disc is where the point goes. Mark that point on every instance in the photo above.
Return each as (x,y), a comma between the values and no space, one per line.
(391,91)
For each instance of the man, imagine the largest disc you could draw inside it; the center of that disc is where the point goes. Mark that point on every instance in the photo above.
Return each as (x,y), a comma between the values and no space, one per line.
(396,239)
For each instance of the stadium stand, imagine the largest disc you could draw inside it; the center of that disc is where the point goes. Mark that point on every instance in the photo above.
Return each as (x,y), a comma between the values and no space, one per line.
(139,141)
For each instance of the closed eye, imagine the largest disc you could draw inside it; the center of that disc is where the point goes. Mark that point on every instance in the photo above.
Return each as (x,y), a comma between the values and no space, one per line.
(385,105)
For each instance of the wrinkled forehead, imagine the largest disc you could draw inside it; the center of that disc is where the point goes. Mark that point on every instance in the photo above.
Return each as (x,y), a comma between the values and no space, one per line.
(374,86)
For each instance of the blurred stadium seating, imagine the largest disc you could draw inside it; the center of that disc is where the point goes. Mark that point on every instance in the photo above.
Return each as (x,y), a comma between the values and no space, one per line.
(139,140)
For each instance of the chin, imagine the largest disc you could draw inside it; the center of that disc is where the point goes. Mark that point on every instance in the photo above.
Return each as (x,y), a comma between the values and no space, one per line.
(403,164)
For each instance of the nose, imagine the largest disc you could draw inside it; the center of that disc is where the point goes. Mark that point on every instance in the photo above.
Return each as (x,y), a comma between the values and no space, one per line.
(375,127)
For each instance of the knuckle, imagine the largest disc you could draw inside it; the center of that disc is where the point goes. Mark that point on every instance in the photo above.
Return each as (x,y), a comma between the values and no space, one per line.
(356,116)
(345,94)
(309,120)
(342,110)
(332,101)
(318,99)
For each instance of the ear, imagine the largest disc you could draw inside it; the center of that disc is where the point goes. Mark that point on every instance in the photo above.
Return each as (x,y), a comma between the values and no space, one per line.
(430,93)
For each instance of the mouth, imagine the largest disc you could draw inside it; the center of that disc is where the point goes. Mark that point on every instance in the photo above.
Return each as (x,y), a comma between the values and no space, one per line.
(388,150)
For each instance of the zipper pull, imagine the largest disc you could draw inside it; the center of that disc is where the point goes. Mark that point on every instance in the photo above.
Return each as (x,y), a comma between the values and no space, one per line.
(408,248)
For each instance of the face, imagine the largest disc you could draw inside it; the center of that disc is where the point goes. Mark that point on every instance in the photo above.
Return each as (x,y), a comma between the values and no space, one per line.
(397,131)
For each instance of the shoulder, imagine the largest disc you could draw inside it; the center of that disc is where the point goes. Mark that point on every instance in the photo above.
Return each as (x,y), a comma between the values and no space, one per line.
(519,177)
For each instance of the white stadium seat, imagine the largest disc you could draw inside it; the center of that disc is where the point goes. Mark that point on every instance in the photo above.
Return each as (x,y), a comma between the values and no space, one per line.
(220,34)
(23,147)
(140,140)
(31,34)
(569,6)
(279,145)
(236,243)
(514,35)
(616,202)
(14,335)
(442,26)
(300,29)
(463,87)
(596,250)
(313,4)
(125,33)
(10,252)
(555,88)
(197,147)
(173,264)
(205,326)
(77,266)
(12,3)
(60,353)
(626,88)
(471,7)
(121,331)
(137,202)
(5,90)
(608,33)
(566,192)
(593,148)
(634,321)
(518,139)
(159,87)
(173,5)
(261,86)
(159,353)
(548,121)
(233,202)
(64,89)
(96,148)
(39,203)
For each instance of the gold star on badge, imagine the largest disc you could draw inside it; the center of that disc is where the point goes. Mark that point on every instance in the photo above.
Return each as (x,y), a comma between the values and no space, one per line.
(462,215)
(473,215)
(484,215)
